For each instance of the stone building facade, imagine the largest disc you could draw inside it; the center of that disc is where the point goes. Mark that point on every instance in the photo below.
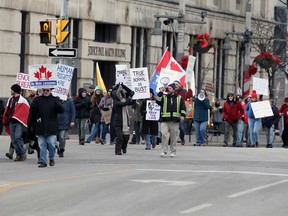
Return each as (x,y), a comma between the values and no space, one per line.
(120,32)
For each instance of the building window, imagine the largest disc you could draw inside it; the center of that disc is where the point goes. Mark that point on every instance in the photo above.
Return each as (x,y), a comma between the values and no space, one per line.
(169,41)
(139,47)
(105,33)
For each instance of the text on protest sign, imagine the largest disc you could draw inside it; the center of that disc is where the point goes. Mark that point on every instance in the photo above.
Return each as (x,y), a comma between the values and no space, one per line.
(140,83)
(152,110)
(23,80)
(123,75)
(43,75)
(64,78)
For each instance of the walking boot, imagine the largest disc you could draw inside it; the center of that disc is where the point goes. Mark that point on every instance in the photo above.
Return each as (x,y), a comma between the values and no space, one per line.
(10,154)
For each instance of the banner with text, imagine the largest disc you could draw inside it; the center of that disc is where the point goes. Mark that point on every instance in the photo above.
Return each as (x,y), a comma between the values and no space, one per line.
(123,75)
(64,77)
(152,110)
(262,109)
(140,83)
(261,86)
(43,75)
(23,80)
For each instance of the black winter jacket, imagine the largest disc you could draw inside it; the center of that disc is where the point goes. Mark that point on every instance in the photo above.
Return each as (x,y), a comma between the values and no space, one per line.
(82,105)
(45,112)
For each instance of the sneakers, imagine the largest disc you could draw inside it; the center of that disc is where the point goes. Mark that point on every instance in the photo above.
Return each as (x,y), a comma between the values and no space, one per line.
(147,148)
(172,154)
(42,165)
(51,163)
(163,154)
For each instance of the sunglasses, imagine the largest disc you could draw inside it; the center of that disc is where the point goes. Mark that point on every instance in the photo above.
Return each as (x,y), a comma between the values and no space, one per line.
(46,90)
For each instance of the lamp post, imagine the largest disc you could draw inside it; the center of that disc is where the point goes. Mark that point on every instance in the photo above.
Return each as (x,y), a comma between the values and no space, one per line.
(169,20)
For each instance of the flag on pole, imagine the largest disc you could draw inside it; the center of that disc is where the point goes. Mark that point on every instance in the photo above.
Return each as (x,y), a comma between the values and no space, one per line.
(99,79)
(168,62)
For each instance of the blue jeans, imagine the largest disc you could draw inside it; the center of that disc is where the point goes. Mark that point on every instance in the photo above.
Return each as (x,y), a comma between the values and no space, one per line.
(240,132)
(82,126)
(93,134)
(104,130)
(47,142)
(16,138)
(182,129)
(200,128)
(149,140)
(270,134)
(254,125)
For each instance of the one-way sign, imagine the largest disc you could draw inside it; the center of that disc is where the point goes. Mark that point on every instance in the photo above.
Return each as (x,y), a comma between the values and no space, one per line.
(64,53)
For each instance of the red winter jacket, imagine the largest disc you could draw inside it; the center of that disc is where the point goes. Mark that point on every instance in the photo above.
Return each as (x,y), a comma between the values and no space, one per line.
(284,112)
(232,112)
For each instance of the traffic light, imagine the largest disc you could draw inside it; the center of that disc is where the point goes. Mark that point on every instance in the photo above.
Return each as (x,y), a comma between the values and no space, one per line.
(45,32)
(61,35)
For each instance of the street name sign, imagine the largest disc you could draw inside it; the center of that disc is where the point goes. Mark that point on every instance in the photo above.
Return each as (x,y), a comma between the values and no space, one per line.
(63,53)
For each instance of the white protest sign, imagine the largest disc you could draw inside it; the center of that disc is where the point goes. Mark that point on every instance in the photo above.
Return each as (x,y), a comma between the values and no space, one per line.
(140,83)
(190,76)
(262,109)
(261,86)
(123,75)
(152,110)
(43,75)
(64,75)
(168,76)
(23,80)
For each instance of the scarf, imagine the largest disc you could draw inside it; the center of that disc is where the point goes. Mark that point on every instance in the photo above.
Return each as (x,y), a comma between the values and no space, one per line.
(125,114)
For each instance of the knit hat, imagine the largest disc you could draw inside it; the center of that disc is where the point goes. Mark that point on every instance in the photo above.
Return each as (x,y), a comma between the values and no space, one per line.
(286,100)
(91,87)
(172,85)
(254,94)
(176,82)
(16,88)
(97,88)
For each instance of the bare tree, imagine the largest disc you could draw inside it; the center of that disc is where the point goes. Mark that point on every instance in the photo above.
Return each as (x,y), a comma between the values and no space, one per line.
(270,37)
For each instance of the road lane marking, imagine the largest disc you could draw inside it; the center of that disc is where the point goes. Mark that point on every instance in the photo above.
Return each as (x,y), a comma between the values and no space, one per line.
(14,185)
(217,171)
(174,183)
(256,189)
(196,208)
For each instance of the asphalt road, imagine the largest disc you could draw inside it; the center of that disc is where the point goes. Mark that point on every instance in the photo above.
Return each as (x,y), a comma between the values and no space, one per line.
(202,181)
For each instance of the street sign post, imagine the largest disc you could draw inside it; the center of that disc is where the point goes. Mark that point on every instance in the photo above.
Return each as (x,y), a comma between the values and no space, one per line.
(62,53)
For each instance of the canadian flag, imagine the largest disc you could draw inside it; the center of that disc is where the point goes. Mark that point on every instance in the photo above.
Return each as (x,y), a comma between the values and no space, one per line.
(168,62)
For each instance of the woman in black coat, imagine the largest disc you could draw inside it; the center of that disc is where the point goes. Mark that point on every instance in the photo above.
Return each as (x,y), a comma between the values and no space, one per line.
(122,97)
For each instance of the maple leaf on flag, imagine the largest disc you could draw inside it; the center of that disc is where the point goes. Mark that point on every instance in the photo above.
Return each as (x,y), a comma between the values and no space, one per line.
(43,70)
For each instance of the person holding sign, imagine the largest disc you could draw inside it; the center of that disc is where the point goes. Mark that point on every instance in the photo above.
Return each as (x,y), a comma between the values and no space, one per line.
(253,123)
(173,110)
(122,97)
(269,124)
(149,126)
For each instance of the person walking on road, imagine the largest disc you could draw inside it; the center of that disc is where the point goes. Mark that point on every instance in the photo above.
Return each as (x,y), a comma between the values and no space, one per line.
(232,115)
(173,111)
(201,107)
(122,97)
(283,112)
(82,106)
(253,123)
(45,110)
(14,118)
(65,121)
(269,124)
